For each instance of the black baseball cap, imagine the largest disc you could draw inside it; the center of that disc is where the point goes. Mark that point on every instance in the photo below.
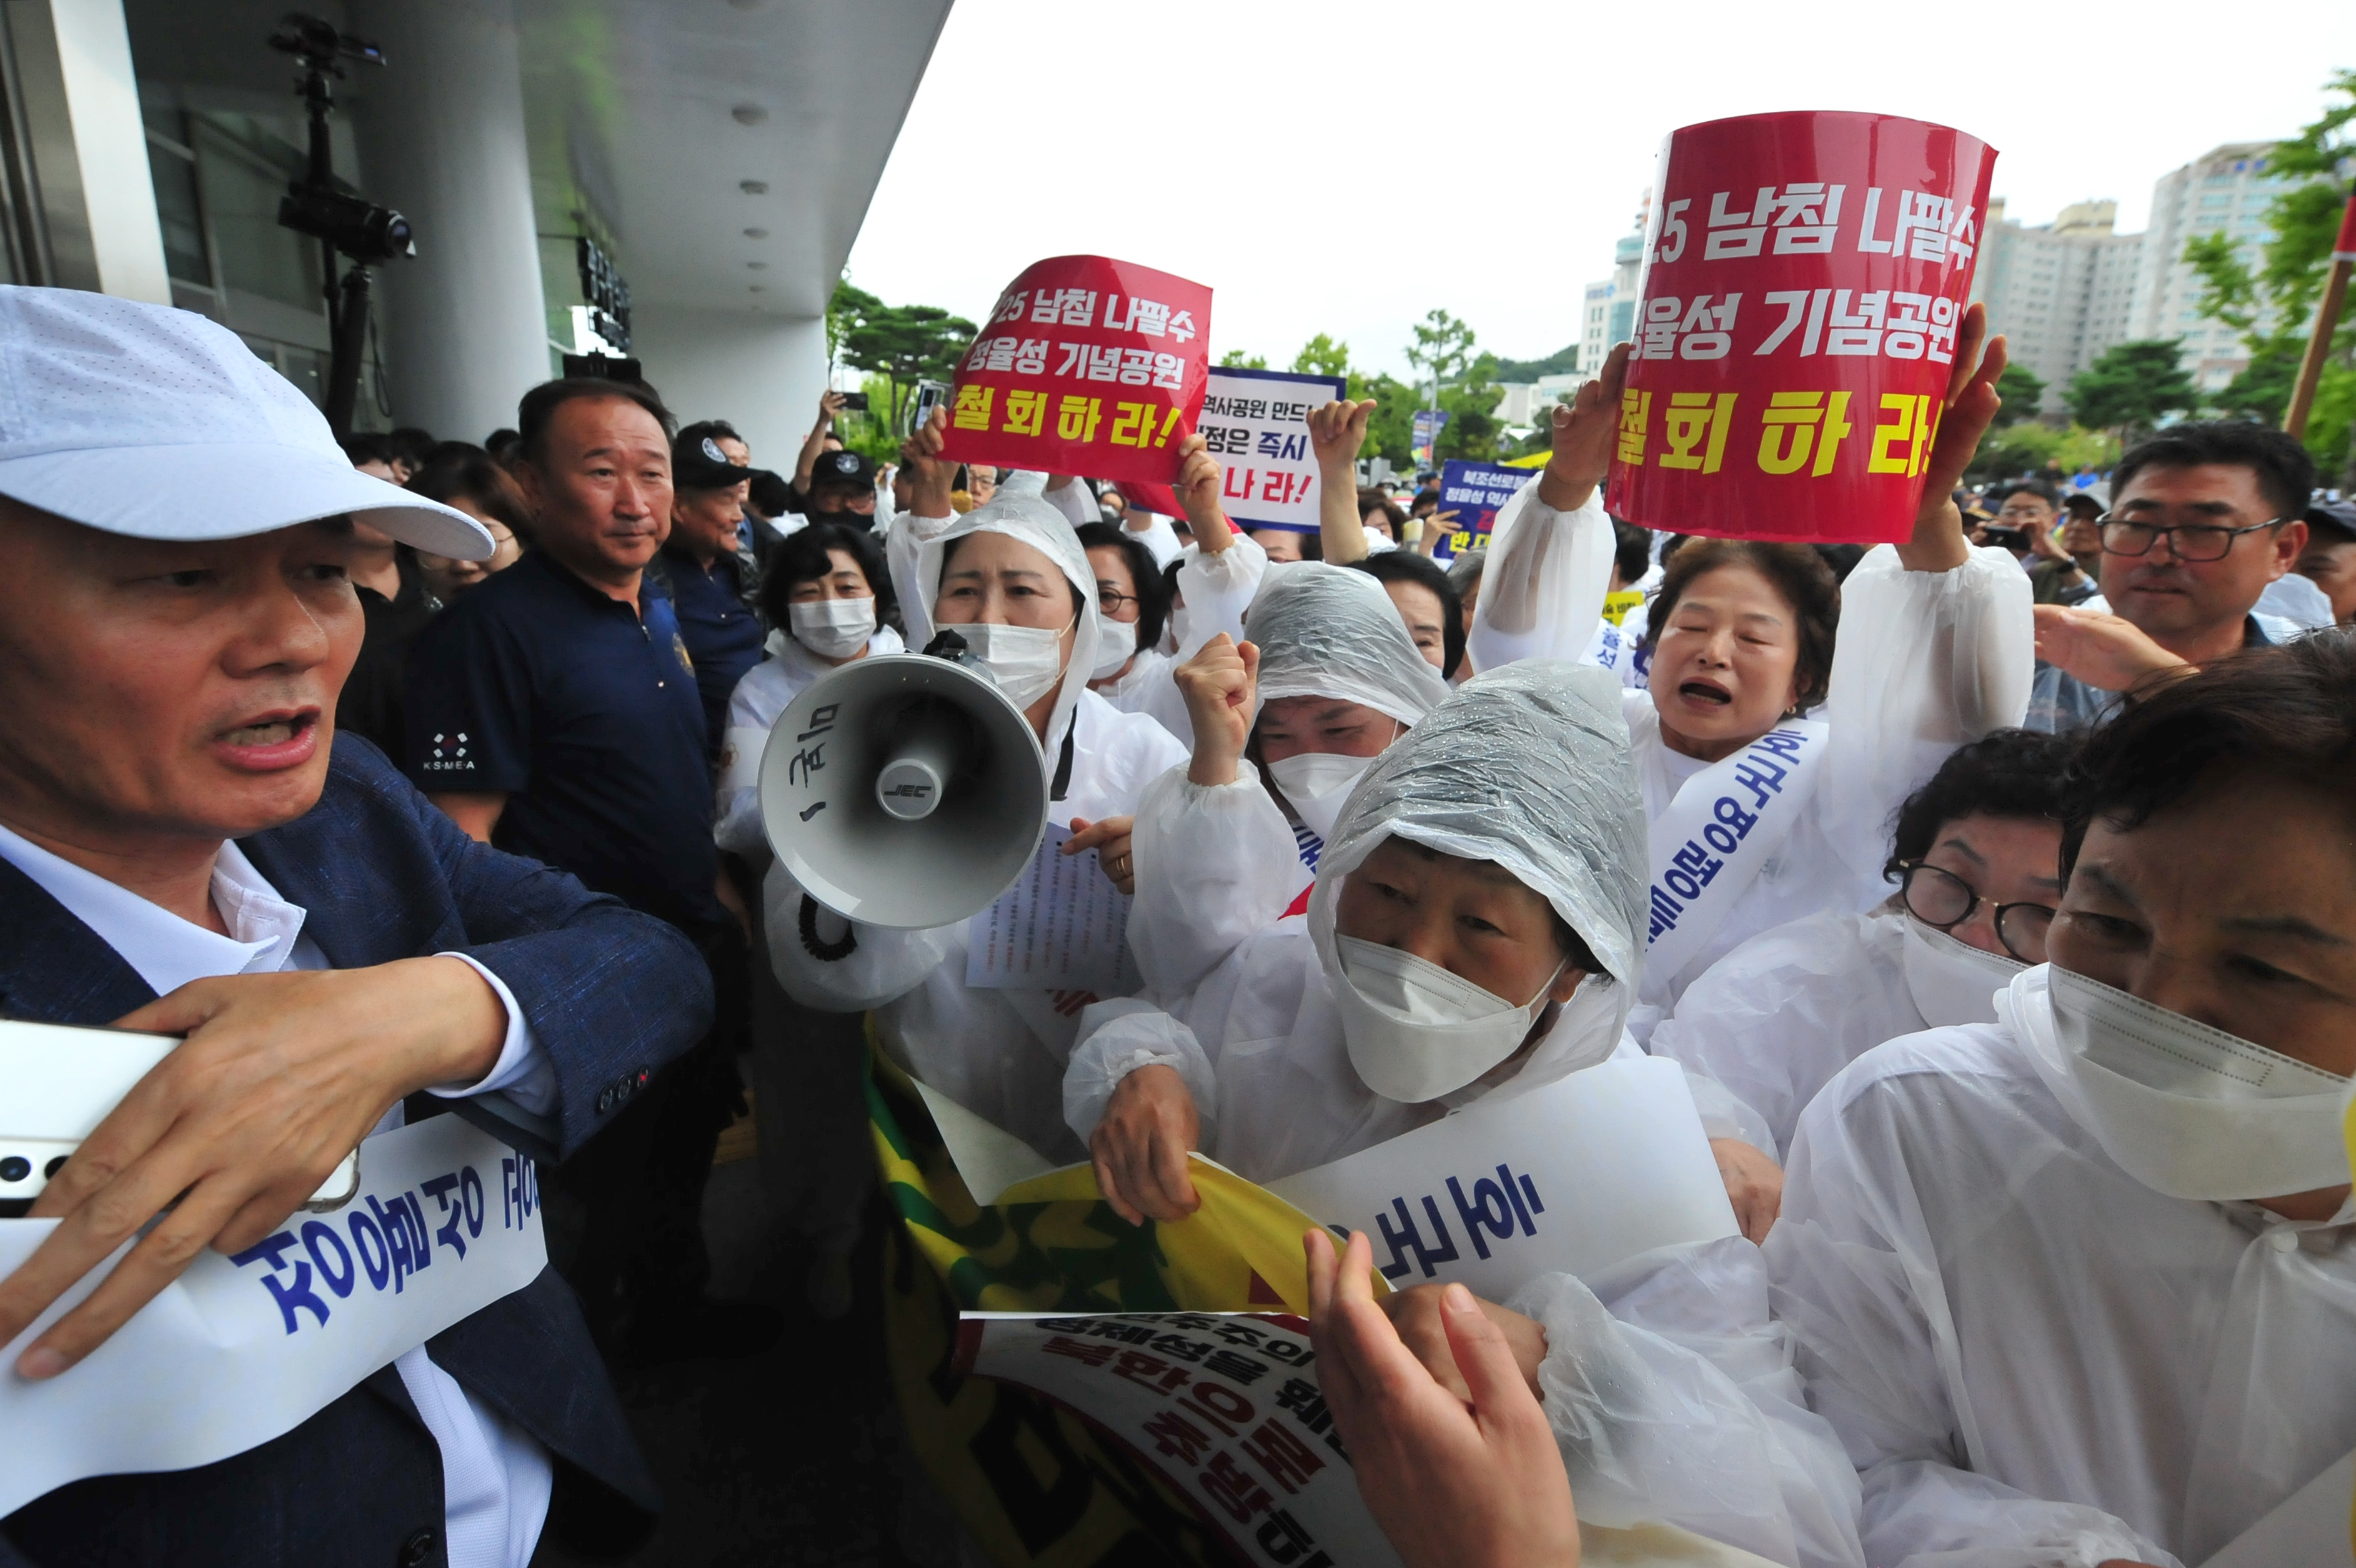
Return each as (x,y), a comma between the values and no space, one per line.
(847,470)
(698,464)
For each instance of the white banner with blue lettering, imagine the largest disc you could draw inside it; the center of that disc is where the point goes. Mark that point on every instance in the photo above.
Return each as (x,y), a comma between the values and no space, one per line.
(1573,1177)
(243,1348)
(1725,824)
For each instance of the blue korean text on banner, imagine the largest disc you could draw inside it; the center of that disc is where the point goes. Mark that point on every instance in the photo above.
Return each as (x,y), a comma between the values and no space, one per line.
(1474,492)
(1256,423)
(1428,423)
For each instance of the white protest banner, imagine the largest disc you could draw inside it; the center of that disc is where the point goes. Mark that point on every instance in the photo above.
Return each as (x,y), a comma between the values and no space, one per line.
(1061,927)
(243,1348)
(1593,1168)
(1256,422)
(1706,849)
(1226,1407)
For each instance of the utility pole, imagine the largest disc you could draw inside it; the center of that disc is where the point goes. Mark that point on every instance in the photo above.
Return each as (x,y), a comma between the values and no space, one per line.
(2327,322)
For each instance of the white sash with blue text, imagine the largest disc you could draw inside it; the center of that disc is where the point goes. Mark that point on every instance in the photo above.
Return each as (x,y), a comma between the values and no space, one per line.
(240,1349)
(1725,824)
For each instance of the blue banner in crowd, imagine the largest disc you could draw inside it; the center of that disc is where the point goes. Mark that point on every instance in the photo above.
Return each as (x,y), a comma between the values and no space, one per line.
(1473,491)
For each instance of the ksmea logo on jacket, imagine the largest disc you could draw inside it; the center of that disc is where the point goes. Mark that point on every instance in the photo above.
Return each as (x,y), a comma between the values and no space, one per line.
(2187,1110)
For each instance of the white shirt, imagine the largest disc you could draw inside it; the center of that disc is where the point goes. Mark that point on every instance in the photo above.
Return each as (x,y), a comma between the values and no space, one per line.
(496,1478)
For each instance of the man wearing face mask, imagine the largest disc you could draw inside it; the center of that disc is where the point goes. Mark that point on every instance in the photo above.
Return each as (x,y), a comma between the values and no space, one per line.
(1475,933)
(2075,1286)
(1012,581)
(1976,853)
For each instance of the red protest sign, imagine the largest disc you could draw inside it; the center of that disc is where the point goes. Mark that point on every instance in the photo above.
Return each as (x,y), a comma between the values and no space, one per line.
(1804,276)
(1087,366)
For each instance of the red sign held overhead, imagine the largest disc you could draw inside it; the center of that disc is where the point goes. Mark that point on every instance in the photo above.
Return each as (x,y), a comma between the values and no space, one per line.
(1087,366)
(1804,278)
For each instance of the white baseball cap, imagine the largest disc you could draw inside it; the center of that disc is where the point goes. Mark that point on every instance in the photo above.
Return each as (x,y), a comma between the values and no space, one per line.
(154,423)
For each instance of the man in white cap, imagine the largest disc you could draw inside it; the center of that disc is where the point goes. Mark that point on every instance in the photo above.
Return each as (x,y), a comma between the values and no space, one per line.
(188,848)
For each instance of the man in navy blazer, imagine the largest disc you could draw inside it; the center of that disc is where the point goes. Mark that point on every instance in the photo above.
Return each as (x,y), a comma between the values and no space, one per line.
(187,847)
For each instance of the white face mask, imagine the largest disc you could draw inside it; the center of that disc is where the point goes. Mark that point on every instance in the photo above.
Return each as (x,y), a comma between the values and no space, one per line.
(1416,1031)
(1026,661)
(1318,784)
(1115,645)
(1952,981)
(2189,1110)
(832,628)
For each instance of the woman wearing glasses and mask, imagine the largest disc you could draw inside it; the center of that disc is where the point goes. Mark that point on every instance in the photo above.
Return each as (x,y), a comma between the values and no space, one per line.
(1977,857)
(1132,602)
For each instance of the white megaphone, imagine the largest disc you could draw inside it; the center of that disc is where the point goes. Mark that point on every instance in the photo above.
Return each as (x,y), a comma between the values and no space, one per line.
(904,790)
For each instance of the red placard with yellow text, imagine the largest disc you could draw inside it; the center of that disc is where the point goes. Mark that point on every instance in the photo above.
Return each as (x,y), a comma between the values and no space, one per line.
(1087,366)
(1804,278)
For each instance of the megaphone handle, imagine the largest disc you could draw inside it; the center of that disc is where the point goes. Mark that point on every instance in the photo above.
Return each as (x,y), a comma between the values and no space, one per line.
(824,952)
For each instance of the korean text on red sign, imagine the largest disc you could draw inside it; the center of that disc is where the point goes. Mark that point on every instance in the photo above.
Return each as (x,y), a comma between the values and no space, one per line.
(1086,366)
(1804,278)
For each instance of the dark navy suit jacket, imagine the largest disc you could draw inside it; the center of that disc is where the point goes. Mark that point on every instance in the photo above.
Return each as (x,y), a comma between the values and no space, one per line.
(610,994)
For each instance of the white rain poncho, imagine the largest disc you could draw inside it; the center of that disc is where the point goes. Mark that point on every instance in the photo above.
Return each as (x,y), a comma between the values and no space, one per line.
(1215,864)
(1774,1020)
(2032,1358)
(1668,1385)
(1925,661)
(999,1053)
(766,690)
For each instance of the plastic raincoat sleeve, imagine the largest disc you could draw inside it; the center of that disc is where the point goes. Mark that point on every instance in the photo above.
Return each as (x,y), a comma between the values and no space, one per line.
(1848,1278)
(1925,661)
(1543,590)
(883,964)
(1671,1394)
(1159,538)
(1215,864)
(1726,1114)
(1217,588)
(1075,502)
(1116,1038)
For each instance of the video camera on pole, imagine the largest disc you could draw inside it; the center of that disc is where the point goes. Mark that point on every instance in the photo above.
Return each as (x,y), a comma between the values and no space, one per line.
(344,222)
(904,790)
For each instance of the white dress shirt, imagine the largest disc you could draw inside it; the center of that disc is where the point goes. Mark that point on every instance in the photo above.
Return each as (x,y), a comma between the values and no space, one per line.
(496,1478)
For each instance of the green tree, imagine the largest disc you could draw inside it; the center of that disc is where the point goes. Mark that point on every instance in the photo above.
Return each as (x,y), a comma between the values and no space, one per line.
(2132,386)
(1236,360)
(849,306)
(1390,429)
(2023,391)
(1321,356)
(1443,346)
(1470,403)
(2273,305)
(2023,448)
(904,344)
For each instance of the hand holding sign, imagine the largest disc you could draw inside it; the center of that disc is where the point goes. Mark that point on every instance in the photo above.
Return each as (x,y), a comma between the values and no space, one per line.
(1200,478)
(930,475)
(1140,1148)
(1968,410)
(1463,1477)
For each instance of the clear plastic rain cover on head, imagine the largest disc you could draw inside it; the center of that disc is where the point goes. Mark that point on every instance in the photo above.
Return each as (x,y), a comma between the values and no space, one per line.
(1326,631)
(1527,766)
(1024,515)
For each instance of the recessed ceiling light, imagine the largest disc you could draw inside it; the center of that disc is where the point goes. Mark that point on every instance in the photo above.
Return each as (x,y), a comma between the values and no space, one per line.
(755,289)
(753,187)
(756,234)
(748,4)
(748,114)
(758,266)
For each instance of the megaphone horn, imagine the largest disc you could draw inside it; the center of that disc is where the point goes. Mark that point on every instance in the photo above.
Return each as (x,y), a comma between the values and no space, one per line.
(903,790)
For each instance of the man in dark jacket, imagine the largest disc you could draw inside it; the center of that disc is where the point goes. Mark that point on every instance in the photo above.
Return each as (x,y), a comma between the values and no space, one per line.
(187,848)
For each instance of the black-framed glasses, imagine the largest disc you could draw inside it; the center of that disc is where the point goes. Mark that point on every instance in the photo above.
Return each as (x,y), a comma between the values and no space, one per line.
(1943,901)
(1110,600)
(2186,541)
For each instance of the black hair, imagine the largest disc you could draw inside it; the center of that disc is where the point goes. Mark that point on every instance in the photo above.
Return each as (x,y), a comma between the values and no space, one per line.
(2285,472)
(472,474)
(1841,558)
(1632,550)
(539,406)
(1168,575)
(1371,500)
(2037,488)
(410,445)
(1080,605)
(365,446)
(2281,712)
(1312,544)
(716,428)
(2011,773)
(1407,566)
(1152,594)
(806,555)
(770,493)
(1796,571)
(503,444)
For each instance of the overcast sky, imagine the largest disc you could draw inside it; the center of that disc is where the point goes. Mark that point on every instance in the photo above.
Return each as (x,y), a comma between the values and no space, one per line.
(1345,167)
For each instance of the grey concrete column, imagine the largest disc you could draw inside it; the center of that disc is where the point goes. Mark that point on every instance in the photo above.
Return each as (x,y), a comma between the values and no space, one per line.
(442,139)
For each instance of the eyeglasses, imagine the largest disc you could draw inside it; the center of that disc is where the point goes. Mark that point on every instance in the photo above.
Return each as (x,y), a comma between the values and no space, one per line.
(1110,600)
(1943,901)
(2186,541)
